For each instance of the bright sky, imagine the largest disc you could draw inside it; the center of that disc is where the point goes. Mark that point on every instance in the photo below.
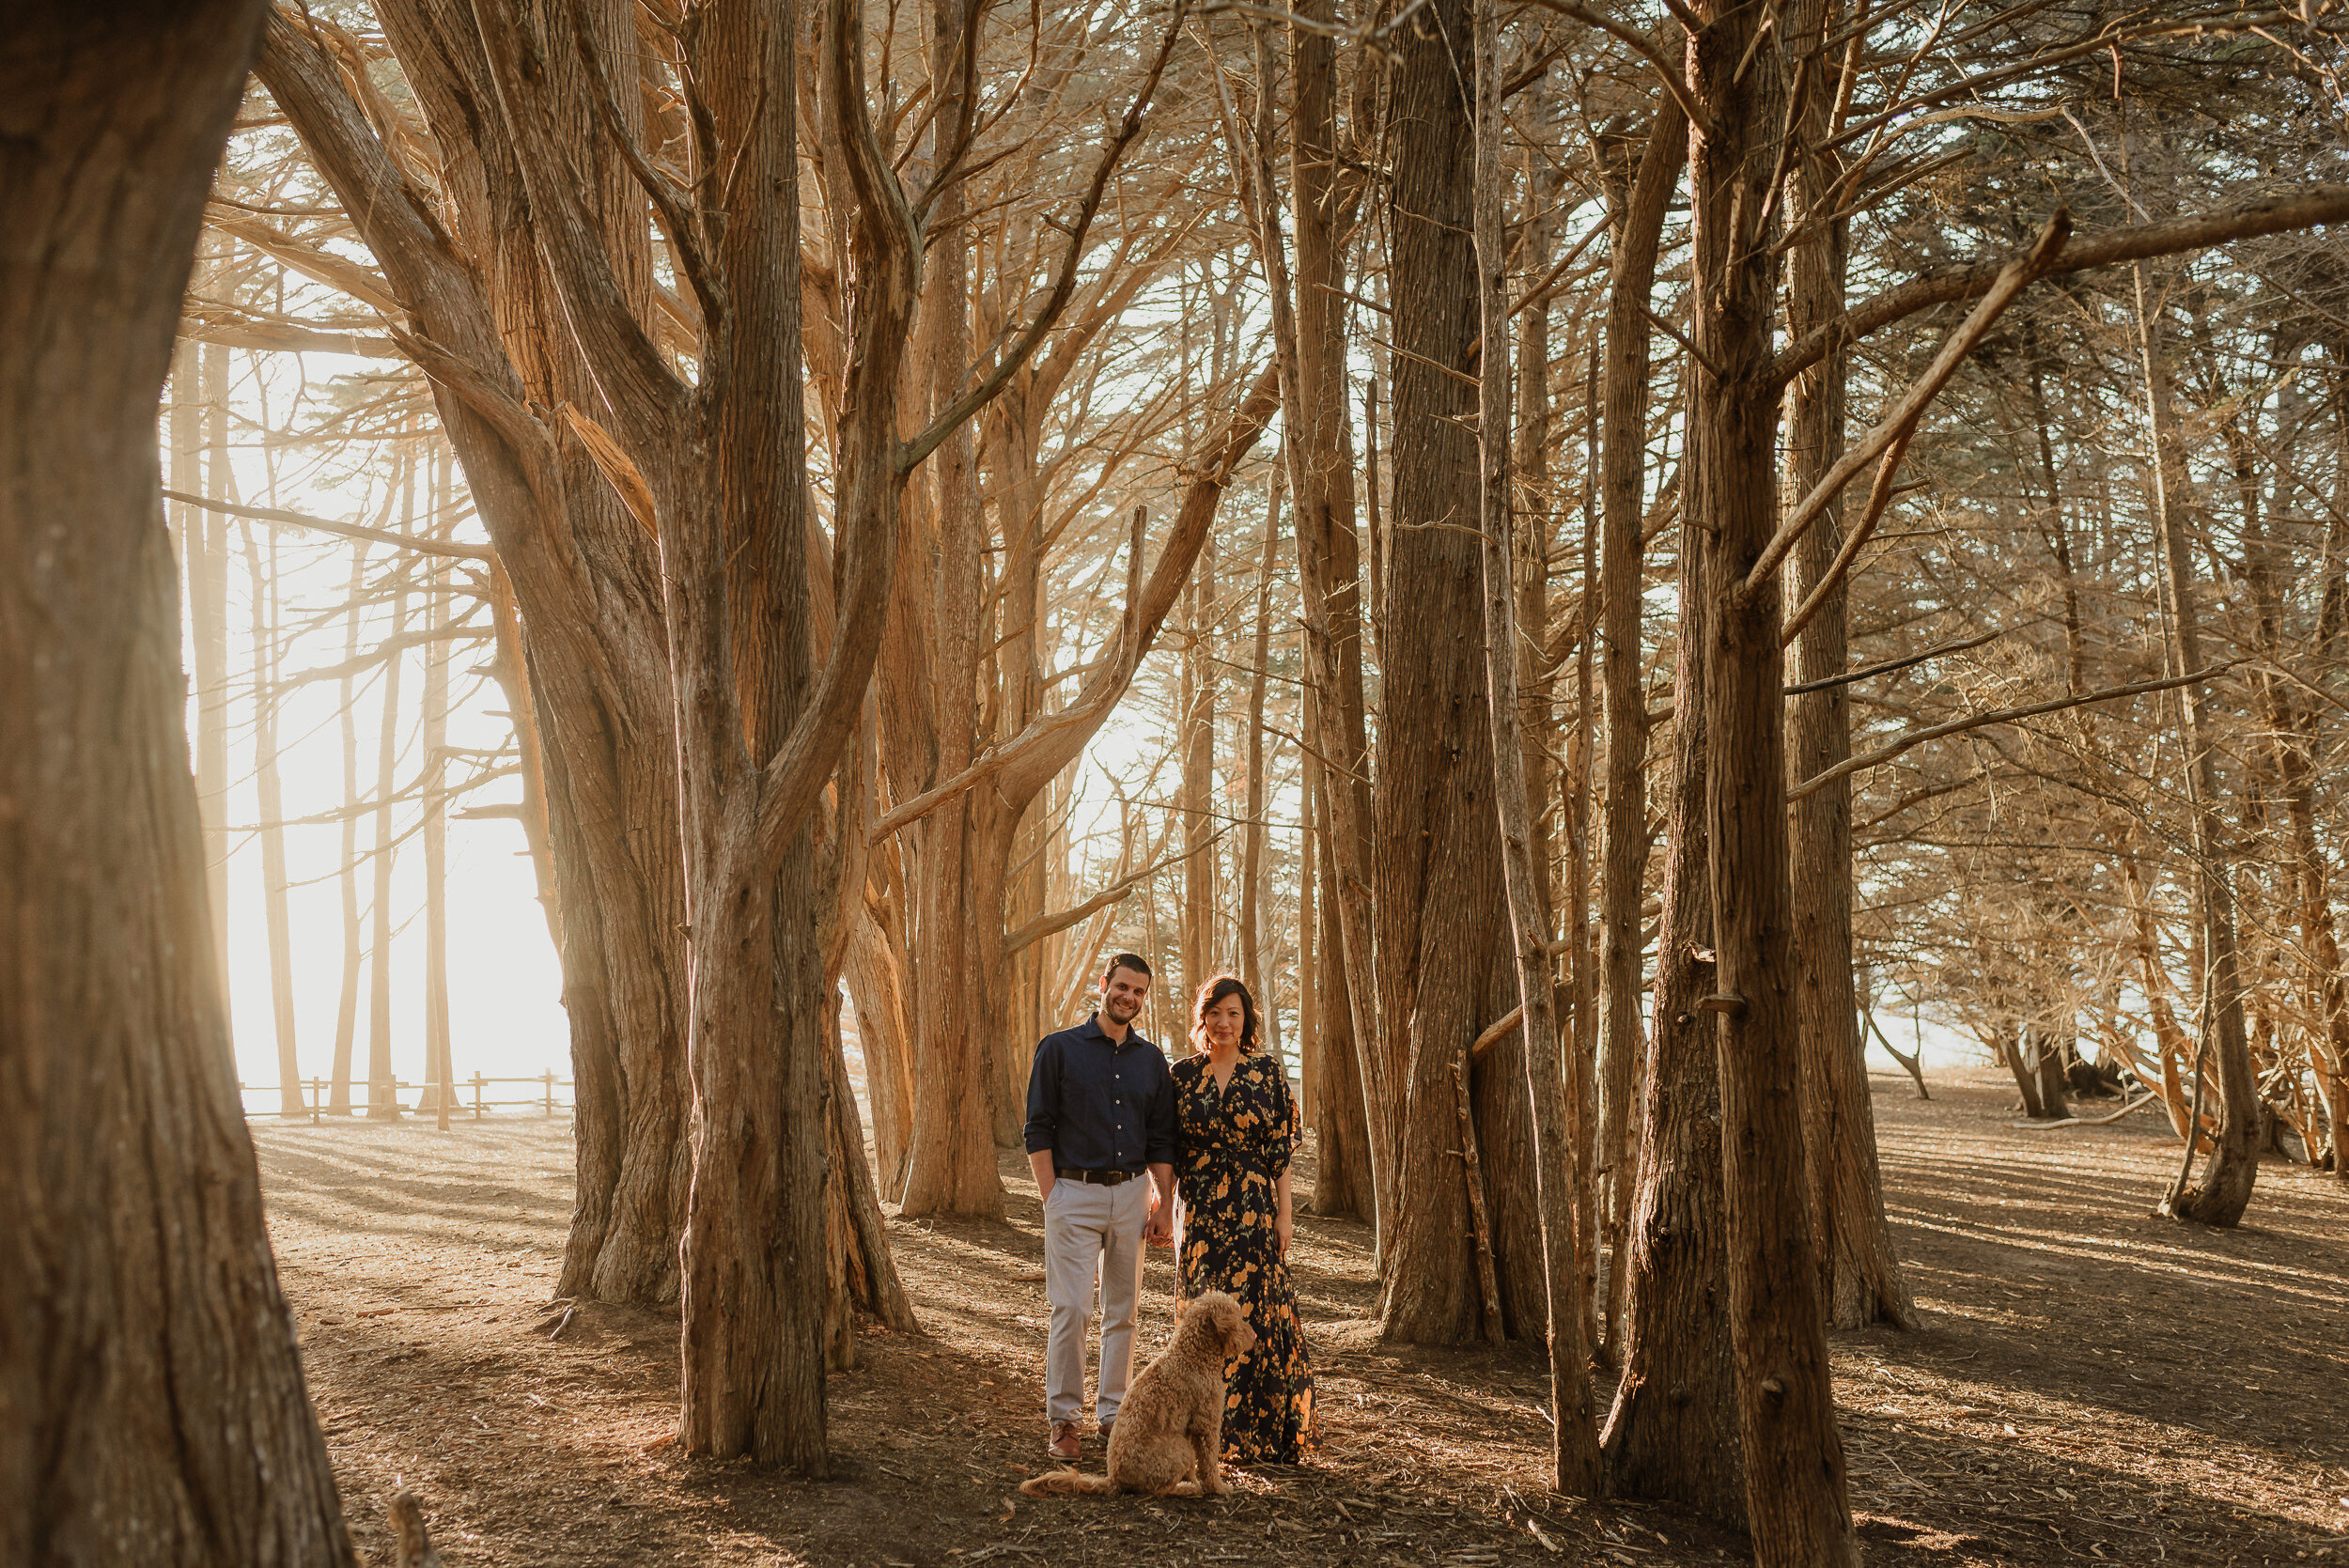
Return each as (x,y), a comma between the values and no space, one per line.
(504,984)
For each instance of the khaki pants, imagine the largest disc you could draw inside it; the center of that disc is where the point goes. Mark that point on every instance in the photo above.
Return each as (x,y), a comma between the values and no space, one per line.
(1092,1230)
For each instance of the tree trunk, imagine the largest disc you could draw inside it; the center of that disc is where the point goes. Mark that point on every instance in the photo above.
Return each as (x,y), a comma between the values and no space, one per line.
(1359,1153)
(1623,487)
(1441,919)
(271,795)
(148,1365)
(354,945)
(1253,831)
(1307,945)
(1795,1495)
(1342,1176)
(2225,1189)
(2018,1052)
(1574,1462)
(1202,688)
(382,1088)
(1860,1276)
(738,608)
(883,1039)
(2299,736)
(1673,1433)
(436,1022)
(208,604)
(2054,1053)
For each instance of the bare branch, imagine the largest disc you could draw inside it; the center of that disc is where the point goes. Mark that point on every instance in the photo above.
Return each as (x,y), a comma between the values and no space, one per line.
(1888,666)
(1996,716)
(1645,48)
(300,256)
(910,455)
(1893,430)
(2309,206)
(1045,925)
(341,530)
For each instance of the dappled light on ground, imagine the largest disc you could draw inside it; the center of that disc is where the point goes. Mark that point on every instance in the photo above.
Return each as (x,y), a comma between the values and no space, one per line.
(2092,1384)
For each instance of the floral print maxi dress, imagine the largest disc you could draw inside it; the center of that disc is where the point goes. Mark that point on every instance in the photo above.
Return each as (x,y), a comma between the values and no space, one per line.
(1231,1146)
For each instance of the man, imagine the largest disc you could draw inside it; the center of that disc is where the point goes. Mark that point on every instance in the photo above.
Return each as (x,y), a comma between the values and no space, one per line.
(1100,1113)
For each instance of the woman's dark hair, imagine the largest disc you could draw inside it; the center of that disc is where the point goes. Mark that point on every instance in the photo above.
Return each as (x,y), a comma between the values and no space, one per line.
(1213,991)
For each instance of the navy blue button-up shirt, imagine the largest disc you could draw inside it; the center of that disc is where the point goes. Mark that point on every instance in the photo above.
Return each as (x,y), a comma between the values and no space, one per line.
(1100,1105)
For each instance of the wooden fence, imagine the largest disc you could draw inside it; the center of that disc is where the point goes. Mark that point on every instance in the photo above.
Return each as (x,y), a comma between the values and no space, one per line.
(479,1105)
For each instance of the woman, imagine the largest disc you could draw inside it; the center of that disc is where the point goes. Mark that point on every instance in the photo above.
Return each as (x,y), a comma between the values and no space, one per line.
(1235,1126)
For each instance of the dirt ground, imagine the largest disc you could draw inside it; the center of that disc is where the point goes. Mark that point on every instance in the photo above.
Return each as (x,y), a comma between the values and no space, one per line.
(2092,1383)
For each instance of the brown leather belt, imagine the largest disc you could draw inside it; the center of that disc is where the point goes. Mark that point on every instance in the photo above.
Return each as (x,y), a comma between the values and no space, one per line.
(1103,1179)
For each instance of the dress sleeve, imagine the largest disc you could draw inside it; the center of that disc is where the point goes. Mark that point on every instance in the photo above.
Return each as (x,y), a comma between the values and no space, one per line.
(1287,1127)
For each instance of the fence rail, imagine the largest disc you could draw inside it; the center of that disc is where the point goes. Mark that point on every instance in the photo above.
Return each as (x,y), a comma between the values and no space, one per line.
(472,1097)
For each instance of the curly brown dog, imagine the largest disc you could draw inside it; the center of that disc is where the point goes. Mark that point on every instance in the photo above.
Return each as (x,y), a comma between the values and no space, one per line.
(1170,1426)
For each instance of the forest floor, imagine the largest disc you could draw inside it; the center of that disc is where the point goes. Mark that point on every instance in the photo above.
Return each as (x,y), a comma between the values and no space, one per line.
(2092,1384)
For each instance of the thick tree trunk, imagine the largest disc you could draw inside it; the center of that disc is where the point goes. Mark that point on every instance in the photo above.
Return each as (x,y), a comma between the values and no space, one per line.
(952,1165)
(1795,1497)
(2054,1050)
(753,1256)
(1861,1275)
(1441,919)
(149,1368)
(2225,1189)
(760,1051)
(1673,1433)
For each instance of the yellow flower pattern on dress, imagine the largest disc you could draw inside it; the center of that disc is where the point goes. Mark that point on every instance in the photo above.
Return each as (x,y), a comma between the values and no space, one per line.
(1231,1149)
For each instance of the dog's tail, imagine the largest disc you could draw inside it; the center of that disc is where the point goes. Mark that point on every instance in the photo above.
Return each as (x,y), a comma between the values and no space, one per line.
(415,1545)
(1066,1483)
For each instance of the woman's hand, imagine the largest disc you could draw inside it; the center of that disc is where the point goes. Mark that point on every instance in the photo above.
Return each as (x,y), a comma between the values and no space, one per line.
(1283,1228)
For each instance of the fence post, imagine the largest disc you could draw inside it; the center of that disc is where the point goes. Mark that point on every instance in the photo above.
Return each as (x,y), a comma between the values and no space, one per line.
(318,1094)
(476,1096)
(550,1095)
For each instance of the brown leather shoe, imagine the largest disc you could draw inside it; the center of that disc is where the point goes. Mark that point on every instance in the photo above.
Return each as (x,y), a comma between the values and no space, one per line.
(1064,1444)
(1105,1428)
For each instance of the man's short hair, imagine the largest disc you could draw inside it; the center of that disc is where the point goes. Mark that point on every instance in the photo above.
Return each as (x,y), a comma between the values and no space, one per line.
(1133,961)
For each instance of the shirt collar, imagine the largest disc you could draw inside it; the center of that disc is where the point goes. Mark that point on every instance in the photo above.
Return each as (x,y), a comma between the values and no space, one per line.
(1092,1026)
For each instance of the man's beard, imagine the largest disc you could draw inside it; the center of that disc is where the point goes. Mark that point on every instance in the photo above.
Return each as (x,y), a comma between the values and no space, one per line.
(1121,1011)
